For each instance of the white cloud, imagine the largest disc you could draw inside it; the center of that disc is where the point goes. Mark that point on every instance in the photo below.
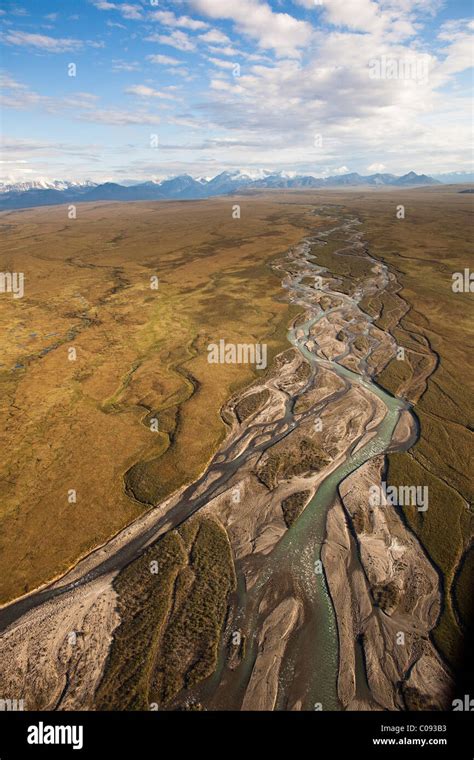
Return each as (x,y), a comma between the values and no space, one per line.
(144,91)
(177,39)
(227,50)
(118,118)
(42,42)
(396,18)
(458,52)
(222,64)
(215,37)
(181,71)
(82,106)
(269,115)
(278,31)
(8,83)
(127,10)
(223,85)
(115,25)
(410,124)
(118,66)
(165,60)
(167,18)
(132,12)
(361,15)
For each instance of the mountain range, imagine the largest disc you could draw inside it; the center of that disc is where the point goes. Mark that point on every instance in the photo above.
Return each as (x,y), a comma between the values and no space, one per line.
(184,187)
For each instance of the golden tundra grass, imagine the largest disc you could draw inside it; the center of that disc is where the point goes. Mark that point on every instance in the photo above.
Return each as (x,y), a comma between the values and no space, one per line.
(142,354)
(433,241)
(423,253)
(83,425)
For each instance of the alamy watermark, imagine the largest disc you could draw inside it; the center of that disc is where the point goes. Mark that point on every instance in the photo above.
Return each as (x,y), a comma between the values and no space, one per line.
(466,704)
(403,496)
(238,353)
(409,68)
(46,734)
(12,705)
(12,282)
(463,282)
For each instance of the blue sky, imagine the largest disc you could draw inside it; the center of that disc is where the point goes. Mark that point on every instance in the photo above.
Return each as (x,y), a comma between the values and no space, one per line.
(199,86)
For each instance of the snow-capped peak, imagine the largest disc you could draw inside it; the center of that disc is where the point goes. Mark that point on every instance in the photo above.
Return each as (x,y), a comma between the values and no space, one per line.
(42,184)
(249,174)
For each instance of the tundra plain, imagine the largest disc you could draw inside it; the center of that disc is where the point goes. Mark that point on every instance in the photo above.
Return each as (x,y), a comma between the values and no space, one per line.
(83,425)
(142,355)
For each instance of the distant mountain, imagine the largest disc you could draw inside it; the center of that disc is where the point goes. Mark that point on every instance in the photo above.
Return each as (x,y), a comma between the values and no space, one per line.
(44,184)
(381,179)
(411,179)
(227,182)
(185,187)
(177,188)
(108,191)
(41,192)
(454,178)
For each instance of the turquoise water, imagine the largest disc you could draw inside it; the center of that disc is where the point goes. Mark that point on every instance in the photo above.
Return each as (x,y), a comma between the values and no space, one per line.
(299,549)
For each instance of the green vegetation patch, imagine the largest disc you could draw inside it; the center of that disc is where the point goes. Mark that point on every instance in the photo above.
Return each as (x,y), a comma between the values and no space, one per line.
(249,404)
(189,646)
(281,465)
(293,506)
(172,603)
(144,602)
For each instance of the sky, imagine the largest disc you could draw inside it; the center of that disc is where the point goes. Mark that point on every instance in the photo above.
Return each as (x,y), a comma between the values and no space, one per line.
(139,90)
